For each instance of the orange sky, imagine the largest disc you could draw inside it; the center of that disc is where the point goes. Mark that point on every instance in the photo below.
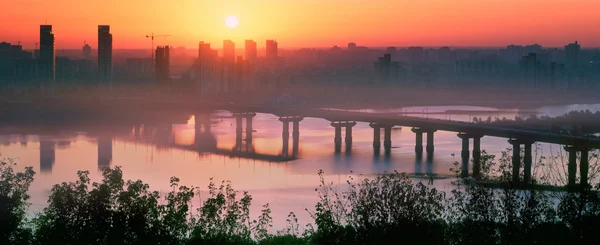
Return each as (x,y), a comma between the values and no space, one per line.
(307,23)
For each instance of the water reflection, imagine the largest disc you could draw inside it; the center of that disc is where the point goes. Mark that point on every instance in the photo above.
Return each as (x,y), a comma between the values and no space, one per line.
(104,151)
(47,155)
(251,150)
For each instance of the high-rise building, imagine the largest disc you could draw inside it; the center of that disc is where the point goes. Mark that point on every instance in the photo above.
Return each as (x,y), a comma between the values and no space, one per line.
(161,63)
(250,50)
(15,63)
(207,69)
(104,52)
(530,67)
(386,69)
(391,50)
(271,50)
(229,51)
(415,55)
(47,57)
(572,55)
(87,52)
(351,46)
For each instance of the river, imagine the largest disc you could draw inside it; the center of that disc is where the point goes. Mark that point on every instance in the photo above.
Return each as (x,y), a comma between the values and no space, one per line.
(287,186)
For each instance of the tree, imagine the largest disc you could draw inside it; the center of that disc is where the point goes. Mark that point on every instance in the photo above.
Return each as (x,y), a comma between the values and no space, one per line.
(13,203)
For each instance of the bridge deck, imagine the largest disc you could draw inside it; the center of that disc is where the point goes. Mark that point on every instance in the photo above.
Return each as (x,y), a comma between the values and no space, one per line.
(438,124)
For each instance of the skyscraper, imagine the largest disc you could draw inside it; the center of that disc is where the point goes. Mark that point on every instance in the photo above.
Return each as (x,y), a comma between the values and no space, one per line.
(572,54)
(47,57)
(250,50)
(271,50)
(104,52)
(87,52)
(229,51)
(161,63)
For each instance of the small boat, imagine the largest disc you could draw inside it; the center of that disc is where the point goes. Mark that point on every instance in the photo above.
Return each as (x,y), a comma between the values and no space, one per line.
(452,154)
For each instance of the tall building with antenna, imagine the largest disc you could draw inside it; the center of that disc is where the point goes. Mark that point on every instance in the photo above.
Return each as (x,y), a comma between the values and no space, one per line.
(105,52)
(47,56)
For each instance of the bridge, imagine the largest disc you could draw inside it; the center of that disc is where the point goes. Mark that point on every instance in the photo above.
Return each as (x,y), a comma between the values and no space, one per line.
(466,131)
(339,119)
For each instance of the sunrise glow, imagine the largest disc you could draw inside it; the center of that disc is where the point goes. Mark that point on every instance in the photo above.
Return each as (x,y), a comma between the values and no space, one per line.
(311,23)
(231,21)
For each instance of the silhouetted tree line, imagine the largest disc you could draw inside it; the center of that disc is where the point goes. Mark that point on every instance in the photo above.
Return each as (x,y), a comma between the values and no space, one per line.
(574,122)
(386,209)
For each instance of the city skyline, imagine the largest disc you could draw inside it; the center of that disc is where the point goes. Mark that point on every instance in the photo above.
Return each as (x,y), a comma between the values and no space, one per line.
(308,24)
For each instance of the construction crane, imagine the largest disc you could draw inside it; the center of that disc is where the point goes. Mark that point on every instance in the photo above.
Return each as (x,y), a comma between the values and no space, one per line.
(152,36)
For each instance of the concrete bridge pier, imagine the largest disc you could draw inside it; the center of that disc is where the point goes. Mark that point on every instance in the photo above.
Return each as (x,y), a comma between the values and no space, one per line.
(285,136)
(376,136)
(296,135)
(516,159)
(430,145)
(387,139)
(464,154)
(477,156)
(348,137)
(418,140)
(572,165)
(338,135)
(527,163)
(584,166)
(337,139)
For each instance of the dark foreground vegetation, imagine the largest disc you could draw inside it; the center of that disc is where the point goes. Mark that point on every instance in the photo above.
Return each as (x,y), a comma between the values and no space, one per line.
(387,209)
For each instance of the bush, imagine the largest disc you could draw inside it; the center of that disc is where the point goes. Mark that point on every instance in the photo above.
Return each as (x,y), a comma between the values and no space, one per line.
(388,208)
(113,212)
(374,211)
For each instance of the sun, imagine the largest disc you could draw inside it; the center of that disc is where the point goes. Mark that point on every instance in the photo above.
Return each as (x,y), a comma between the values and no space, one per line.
(231,21)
